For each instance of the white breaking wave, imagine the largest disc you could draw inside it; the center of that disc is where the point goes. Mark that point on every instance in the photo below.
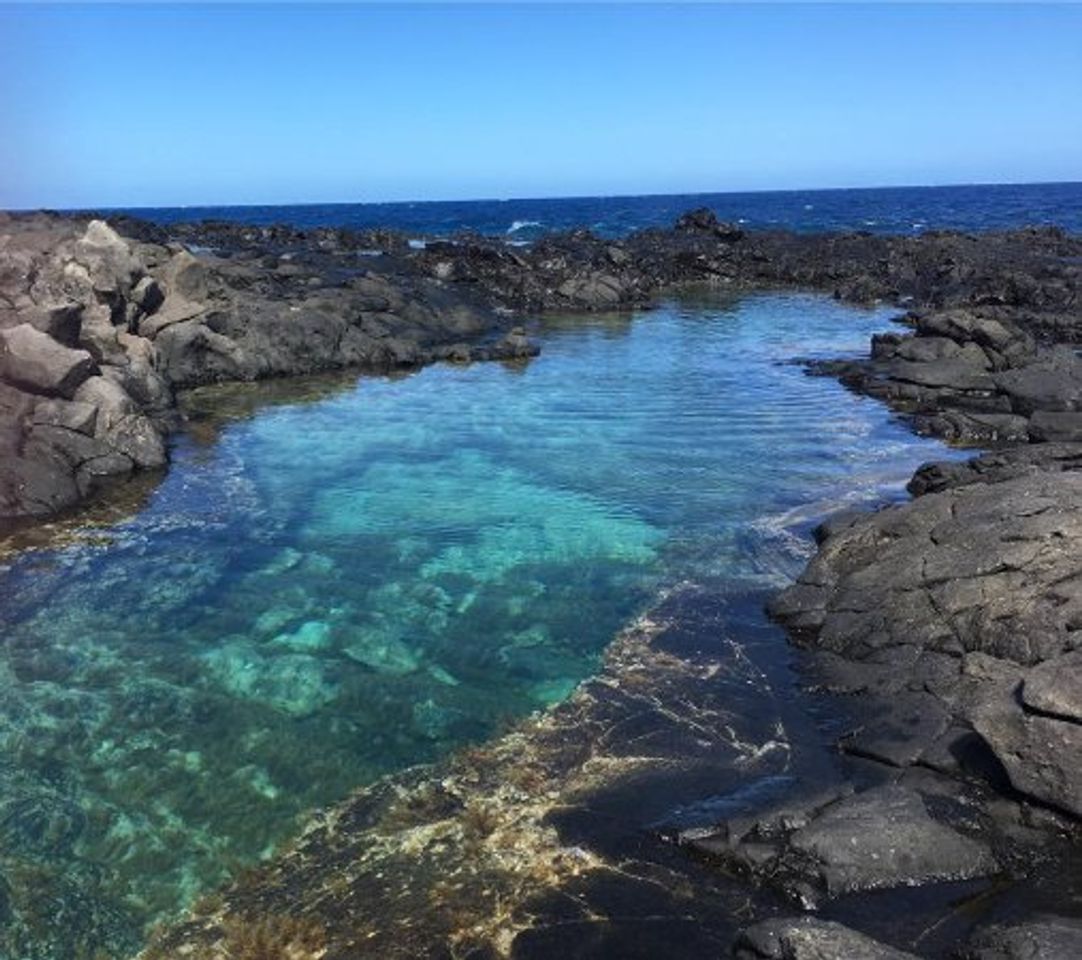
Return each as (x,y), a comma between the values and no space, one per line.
(522,225)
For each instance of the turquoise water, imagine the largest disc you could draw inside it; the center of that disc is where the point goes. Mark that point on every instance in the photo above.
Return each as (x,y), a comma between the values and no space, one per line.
(325,590)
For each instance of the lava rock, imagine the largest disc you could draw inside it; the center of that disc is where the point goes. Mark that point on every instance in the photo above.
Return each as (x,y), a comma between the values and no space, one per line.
(809,938)
(34,361)
(1038,752)
(1044,938)
(884,837)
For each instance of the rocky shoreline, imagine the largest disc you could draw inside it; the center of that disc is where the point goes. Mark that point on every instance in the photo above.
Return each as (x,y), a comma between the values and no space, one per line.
(946,624)
(101,325)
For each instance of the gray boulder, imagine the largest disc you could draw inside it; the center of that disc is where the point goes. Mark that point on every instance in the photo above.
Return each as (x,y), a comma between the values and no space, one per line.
(1052,383)
(1003,342)
(833,845)
(985,566)
(37,484)
(594,292)
(34,361)
(1054,426)
(106,259)
(70,415)
(60,321)
(110,400)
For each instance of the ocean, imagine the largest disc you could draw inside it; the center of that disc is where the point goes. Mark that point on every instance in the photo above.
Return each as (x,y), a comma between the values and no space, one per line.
(901,210)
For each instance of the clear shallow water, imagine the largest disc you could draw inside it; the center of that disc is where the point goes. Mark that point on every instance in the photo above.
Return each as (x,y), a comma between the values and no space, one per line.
(323,591)
(902,210)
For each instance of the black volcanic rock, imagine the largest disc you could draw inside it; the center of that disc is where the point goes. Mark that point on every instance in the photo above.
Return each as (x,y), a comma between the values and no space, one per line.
(877,839)
(113,322)
(980,570)
(809,938)
(1044,938)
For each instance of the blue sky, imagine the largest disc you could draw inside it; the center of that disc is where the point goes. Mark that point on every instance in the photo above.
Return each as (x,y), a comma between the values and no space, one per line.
(160,105)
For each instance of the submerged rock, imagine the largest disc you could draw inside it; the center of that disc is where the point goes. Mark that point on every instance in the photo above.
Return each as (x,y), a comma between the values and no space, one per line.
(880,838)
(1044,938)
(382,653)
(295,683)
(309,636)
(808,938)
(884,838)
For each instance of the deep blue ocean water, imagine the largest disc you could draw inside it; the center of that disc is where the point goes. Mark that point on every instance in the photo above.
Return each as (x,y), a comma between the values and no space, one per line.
(904,210)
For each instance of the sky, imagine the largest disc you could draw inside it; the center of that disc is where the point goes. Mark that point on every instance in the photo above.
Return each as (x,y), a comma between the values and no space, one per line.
(127,105)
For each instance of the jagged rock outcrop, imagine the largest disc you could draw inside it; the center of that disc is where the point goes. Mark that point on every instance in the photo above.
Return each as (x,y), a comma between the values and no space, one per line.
(157,310)
(81,398)
(98,330)
(973,375)
(969,599)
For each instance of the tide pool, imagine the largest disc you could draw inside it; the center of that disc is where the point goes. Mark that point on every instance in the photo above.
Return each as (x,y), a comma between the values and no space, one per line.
(343,578)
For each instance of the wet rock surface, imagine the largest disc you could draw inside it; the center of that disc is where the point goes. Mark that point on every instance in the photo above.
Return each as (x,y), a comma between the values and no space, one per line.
(808,938)
(952,619)
(557,837)
(1045,938)
(667,805)
(880,838)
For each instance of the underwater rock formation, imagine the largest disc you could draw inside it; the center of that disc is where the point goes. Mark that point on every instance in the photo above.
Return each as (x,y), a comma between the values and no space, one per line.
(671,797)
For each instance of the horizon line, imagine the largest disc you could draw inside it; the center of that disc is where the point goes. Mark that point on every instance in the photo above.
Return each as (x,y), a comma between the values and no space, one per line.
(527,199)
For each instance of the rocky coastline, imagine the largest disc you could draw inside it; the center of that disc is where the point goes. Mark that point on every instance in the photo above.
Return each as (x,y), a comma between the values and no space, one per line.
(102,324)
(945,625)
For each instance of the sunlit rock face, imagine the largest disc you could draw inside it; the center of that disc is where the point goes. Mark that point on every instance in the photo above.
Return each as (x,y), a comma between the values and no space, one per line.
(337,581)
